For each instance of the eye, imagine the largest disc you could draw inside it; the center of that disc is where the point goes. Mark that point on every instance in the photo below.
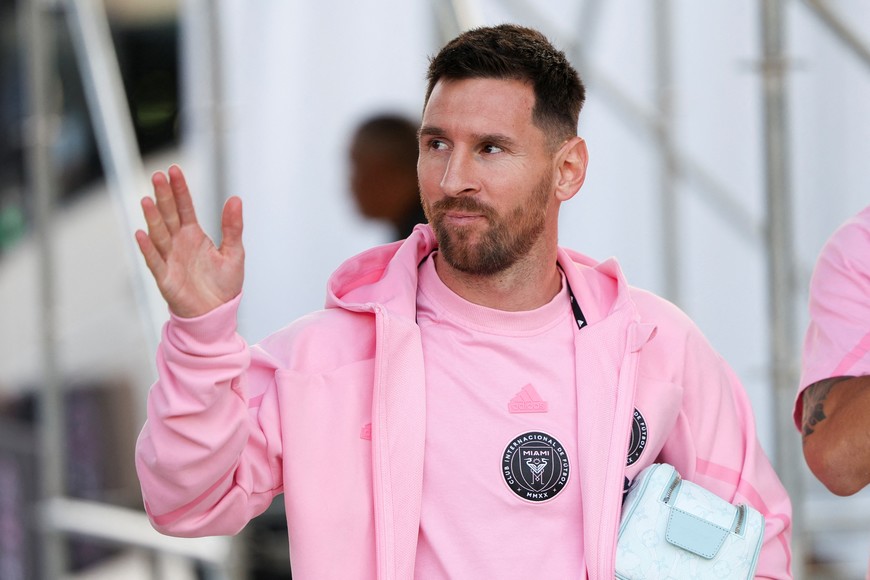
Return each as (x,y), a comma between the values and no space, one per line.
(436,144)
(491,148)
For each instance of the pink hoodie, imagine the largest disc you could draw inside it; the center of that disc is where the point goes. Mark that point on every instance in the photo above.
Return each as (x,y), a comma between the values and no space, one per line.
(331,411)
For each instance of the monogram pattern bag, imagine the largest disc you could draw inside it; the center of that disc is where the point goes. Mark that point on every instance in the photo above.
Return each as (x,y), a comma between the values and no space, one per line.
(675,529)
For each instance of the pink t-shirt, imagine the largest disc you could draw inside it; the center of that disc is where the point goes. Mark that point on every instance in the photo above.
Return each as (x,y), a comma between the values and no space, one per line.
(837,342)
(501,497)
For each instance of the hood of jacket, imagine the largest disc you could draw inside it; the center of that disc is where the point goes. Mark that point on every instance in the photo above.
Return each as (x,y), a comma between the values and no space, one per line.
(386,275)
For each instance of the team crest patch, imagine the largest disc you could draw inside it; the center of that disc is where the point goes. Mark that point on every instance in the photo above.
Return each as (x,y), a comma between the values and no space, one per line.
(638,438)
(535,466)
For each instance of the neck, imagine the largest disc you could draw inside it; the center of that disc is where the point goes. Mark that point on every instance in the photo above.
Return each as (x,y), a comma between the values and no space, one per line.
(526,285)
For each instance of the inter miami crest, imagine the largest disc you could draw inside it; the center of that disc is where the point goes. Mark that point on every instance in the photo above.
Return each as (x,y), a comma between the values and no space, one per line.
(535,466)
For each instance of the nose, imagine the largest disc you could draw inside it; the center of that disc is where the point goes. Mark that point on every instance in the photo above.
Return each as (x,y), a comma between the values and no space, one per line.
(458,178)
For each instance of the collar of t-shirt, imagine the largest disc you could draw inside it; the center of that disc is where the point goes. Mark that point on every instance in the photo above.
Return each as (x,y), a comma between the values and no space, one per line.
(447,304)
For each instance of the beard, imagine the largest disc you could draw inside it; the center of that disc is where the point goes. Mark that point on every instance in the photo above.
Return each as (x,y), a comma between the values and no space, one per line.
(507,239)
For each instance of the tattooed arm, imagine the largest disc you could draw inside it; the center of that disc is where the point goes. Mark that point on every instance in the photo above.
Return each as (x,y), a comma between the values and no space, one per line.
(836,432)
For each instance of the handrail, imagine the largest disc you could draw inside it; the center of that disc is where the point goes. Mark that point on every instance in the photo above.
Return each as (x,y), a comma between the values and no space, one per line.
(128,527)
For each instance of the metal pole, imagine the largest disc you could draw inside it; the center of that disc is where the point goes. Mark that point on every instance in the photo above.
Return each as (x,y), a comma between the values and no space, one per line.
(841,29)
(670,208)
(113,124)
(116,139)
(219,163)
(638,115)
(120,526)
(40,129)
(203,35)
(781,263)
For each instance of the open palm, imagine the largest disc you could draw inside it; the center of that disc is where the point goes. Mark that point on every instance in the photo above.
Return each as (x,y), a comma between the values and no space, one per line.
(193,275)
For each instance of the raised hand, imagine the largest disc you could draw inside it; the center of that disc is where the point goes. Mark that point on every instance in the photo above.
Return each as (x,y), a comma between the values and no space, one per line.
(193,275)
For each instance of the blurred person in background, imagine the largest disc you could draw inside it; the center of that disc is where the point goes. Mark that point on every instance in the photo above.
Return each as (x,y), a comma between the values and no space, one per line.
(833,404)
(383,172)
(473,400)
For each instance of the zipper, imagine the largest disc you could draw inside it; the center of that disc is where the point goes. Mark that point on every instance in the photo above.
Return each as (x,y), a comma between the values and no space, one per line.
(674,483)
(741,516)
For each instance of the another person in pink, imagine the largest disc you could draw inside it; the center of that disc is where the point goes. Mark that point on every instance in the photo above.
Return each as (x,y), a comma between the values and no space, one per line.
(473,400)
(833,405)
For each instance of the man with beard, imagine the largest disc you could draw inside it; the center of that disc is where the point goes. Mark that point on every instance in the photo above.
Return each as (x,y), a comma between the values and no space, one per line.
(473,400)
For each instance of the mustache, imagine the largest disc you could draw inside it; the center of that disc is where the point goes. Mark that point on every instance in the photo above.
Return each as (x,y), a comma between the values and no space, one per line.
(469,204)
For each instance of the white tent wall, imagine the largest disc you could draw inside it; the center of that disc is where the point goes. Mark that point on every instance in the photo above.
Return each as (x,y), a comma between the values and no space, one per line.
(831,120)
(298,76)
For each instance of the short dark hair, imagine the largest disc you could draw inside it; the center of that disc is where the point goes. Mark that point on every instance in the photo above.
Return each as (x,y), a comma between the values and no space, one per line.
(512,52)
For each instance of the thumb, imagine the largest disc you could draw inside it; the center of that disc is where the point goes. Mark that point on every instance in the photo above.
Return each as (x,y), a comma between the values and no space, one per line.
(231,225)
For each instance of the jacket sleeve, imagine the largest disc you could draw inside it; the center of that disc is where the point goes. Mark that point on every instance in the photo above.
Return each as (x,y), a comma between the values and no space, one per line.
(716,423)
(837,341)
(209,454)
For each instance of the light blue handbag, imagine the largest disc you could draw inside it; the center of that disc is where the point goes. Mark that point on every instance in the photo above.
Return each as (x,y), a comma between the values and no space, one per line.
(675,529)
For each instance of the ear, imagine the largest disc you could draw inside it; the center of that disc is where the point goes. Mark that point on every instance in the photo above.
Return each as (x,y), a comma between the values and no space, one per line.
(571,161)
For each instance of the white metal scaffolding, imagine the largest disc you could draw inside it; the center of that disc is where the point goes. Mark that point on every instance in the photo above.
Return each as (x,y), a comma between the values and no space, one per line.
(59,516)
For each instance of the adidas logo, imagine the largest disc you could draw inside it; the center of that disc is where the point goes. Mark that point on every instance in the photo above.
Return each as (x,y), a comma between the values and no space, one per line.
(527,401)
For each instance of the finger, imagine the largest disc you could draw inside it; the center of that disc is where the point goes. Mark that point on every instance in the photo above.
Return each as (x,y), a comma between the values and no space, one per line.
(152,257)
(231,226)
(166,202)
(183,201)
(157,232)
